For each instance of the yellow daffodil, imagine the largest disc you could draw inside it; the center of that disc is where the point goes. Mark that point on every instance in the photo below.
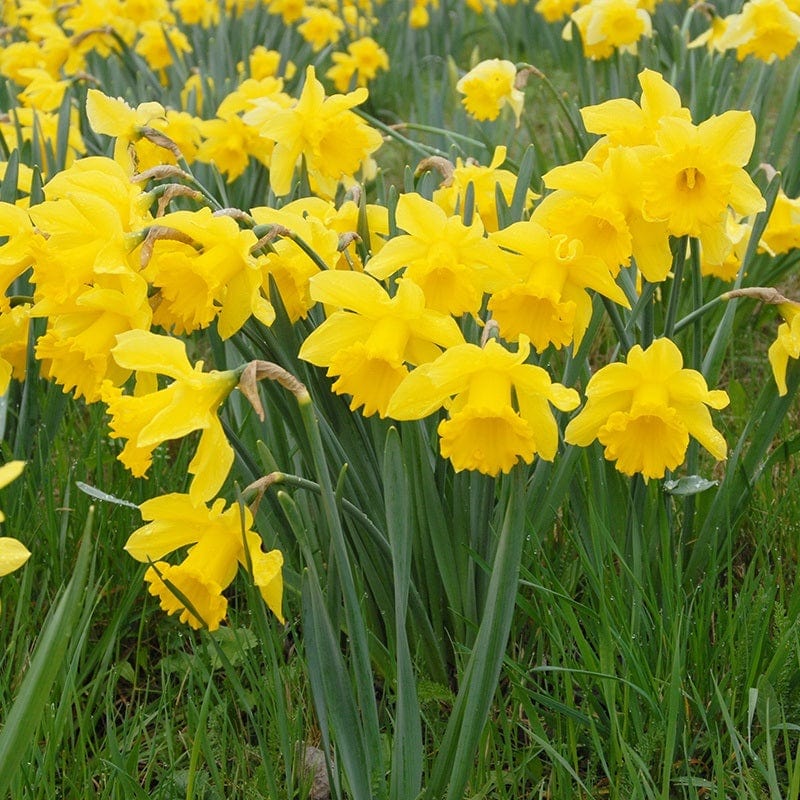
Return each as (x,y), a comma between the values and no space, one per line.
(229,142)
(767,29)
(488,87)
(320,28)
(288,264)
(222,276)
(334,142)
(14,336)
(221,539)
(555,10)
(75,350)
(782,233)
(627,123)
(697,172)
(114,117)
(197,12)
(609,25)
(786,345)
(500,413)
(453,263)
(644,411)
(738,234)
(602,205)
(597,222)
(367,343)
(263,63)
(188,404)
(27,125)
(152,45)
(42,91)
(546,300)
(17,253)
(362,61)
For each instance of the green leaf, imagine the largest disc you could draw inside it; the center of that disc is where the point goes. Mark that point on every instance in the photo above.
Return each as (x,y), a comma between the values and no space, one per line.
(407,752)
(18,732)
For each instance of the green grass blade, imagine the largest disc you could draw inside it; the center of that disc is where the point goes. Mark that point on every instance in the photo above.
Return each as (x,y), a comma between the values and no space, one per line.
(20,726)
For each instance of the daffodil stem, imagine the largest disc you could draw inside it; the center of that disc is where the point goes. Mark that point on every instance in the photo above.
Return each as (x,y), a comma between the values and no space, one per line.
(184,165)
(678,261)
(415,126)
(697,314)
(697,302)
(619,326)
(392,132)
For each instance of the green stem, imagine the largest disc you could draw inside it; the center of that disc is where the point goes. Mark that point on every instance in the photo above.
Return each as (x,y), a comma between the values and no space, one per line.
(619,326)
(392,132)
(678,262)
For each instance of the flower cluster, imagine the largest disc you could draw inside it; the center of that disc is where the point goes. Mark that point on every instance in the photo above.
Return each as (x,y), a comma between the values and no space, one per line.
(765,29)
(129,253)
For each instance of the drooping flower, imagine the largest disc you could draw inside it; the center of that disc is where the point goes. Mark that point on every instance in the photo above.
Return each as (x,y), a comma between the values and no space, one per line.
(488,87)
(215,274)
(221,539)
(369,341)
(500,413)
(288,264)
(114,117)
(644,411)
(189,403)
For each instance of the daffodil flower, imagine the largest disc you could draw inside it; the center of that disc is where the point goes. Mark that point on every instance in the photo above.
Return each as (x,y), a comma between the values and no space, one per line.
(500,413)
(488,87)
(221,539)
(643,412)
(453,263)
(369,340)
(786,345)
(188,404)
